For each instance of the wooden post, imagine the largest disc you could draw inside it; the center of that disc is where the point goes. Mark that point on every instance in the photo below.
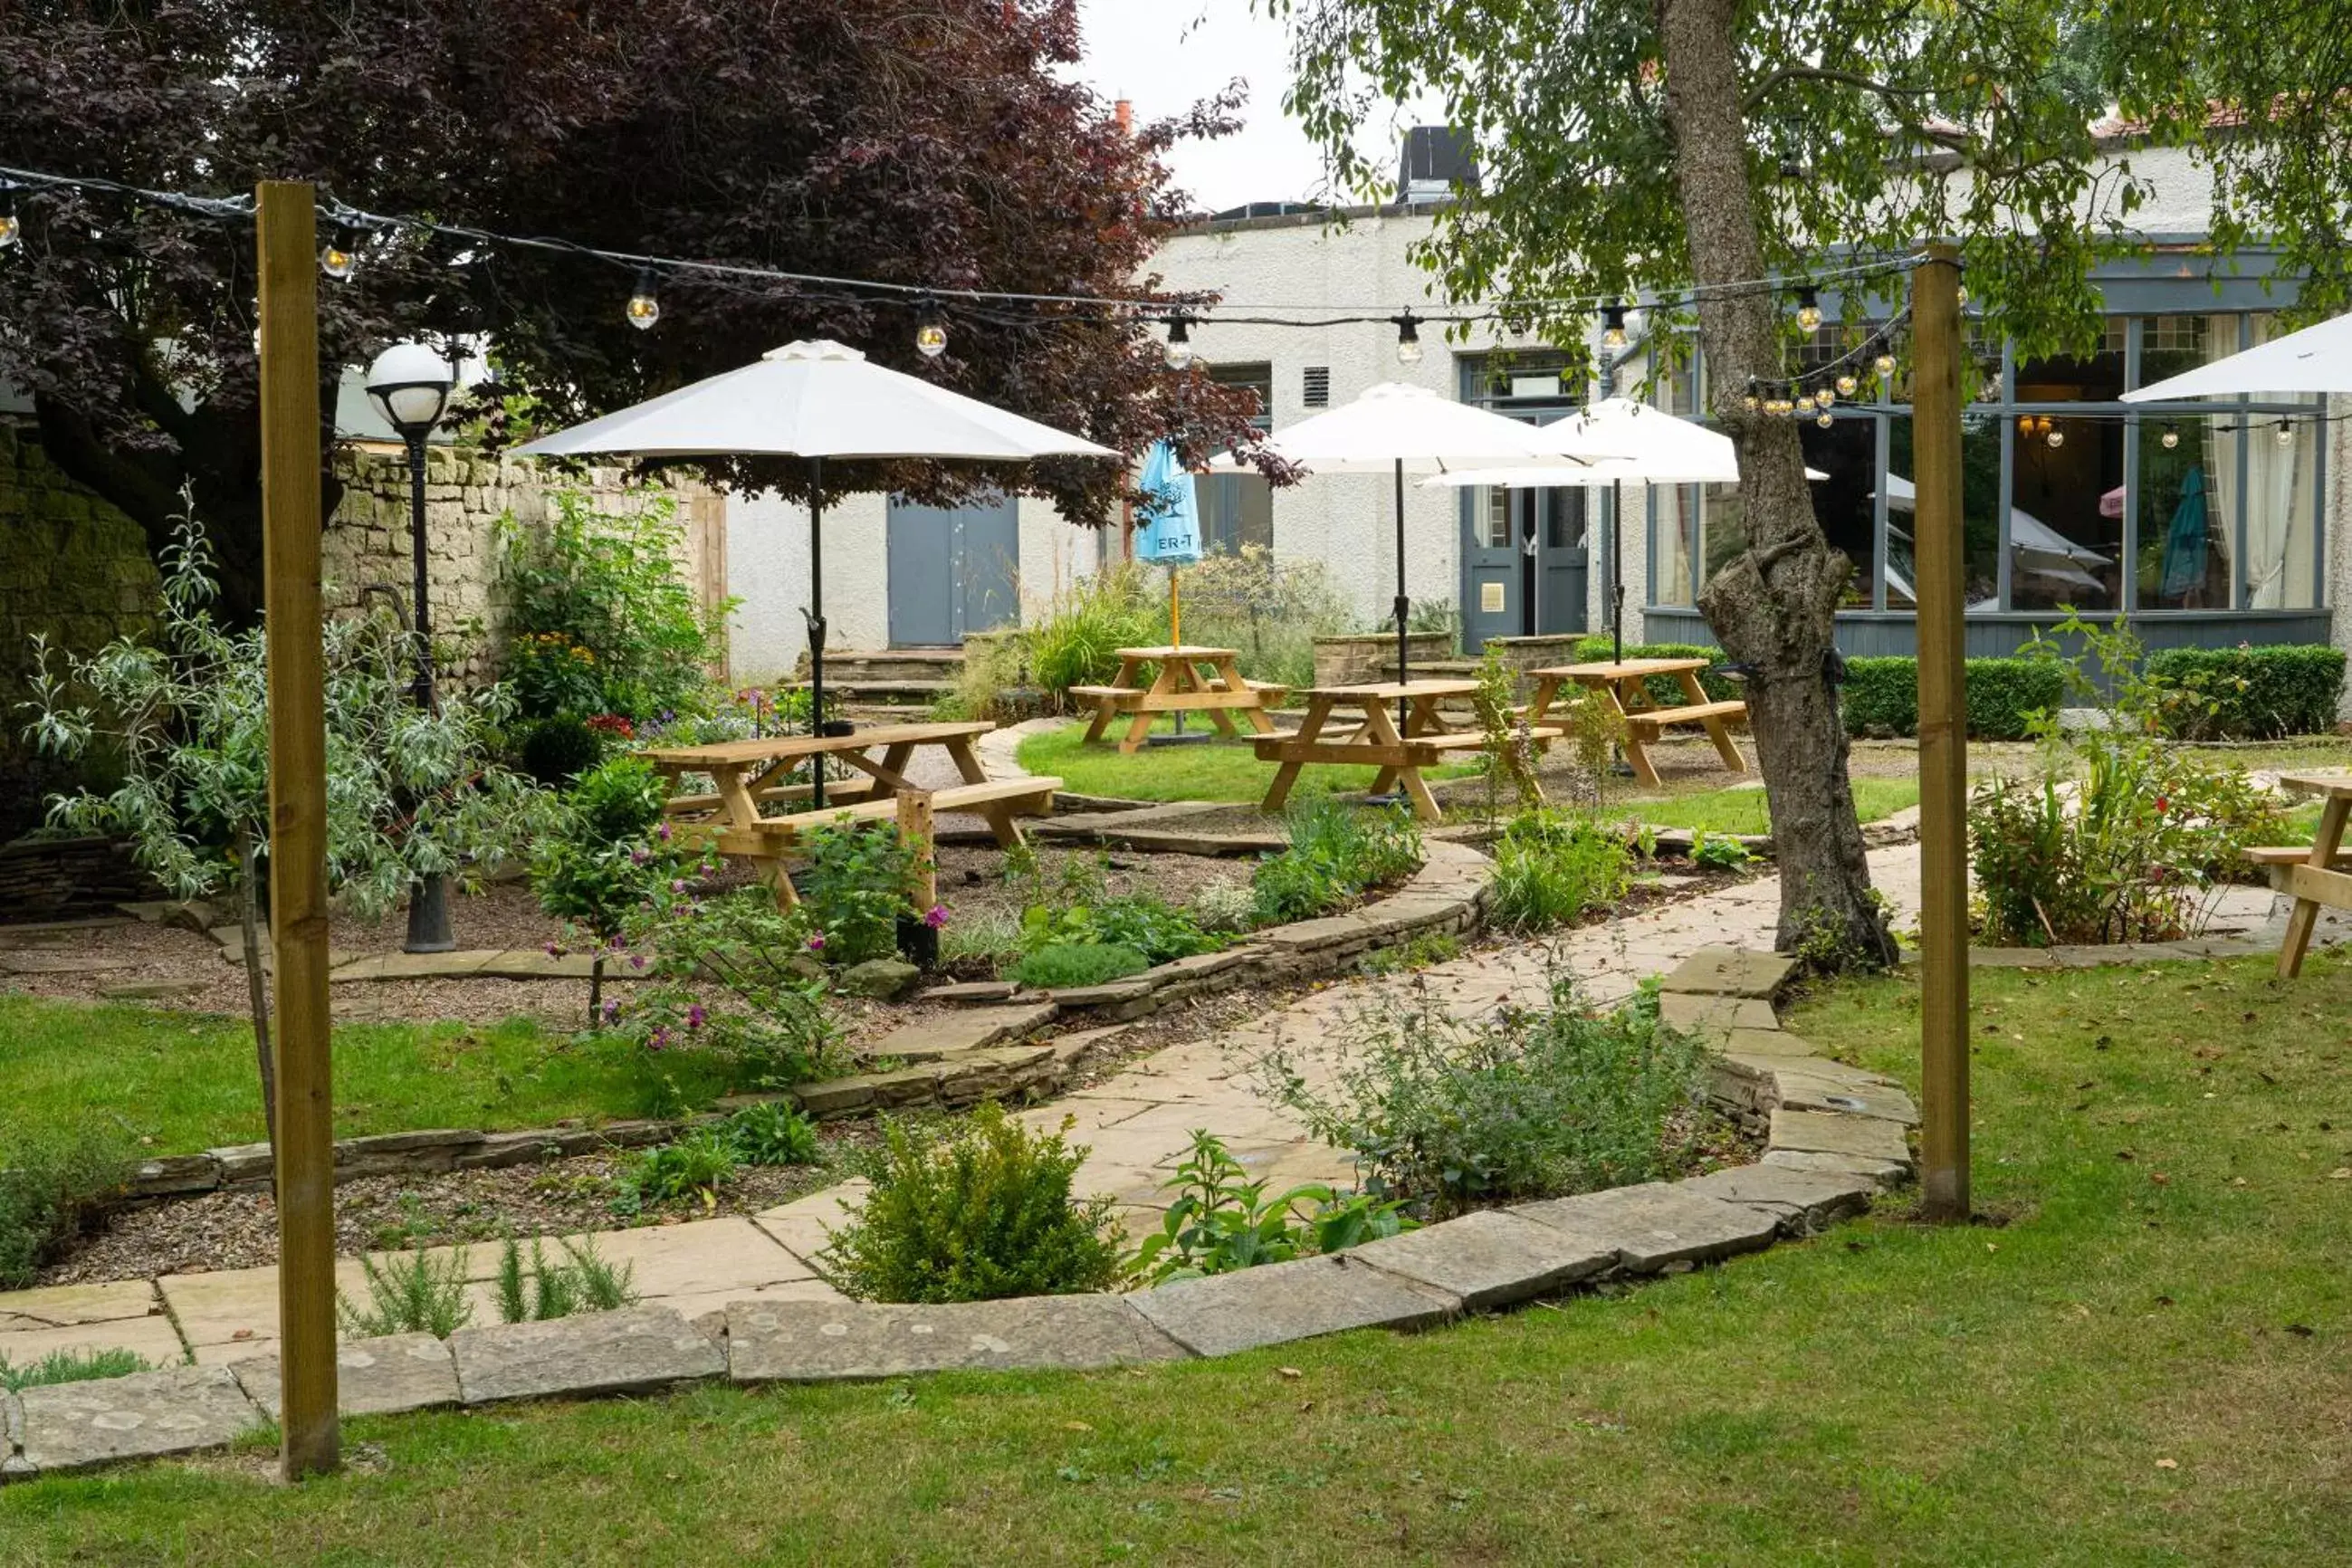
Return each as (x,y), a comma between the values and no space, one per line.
(1943,737)
(287,216)
(915,827)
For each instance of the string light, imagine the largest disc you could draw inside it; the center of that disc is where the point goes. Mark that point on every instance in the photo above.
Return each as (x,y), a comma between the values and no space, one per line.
(2057,437)
(930,329)
(1846,385)
(10,228)
(1883,364)
(1823,397)
(1809,308)
(336,258)
(1799,404)
(1751,403)
(644,309)
(1824,419)
(2171,437)
(2285,434)
(1408,328)
(1179,352)
(1613,324)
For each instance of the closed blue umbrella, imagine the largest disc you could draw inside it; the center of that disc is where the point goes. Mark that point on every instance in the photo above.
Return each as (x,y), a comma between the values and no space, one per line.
(1170,531)
(2185,538)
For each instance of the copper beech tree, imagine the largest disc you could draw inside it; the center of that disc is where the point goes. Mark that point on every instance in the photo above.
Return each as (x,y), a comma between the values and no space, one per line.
(1672,149)
(922,141)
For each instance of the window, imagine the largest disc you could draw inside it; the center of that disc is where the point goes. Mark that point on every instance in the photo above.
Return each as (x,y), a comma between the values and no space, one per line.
(1673,535)
(1236,510)
(1980,507)
(1314,386)
(1256,379)
(1846,503)
(2188,533)
(1495,522)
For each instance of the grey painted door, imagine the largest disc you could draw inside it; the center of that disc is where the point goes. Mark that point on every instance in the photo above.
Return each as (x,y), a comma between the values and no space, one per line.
(953,570)
(1524,563)
(1563,559)
(1494,579)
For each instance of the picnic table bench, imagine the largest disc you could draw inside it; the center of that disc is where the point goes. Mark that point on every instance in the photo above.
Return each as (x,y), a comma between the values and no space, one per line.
(1178,685)
(744,776)
(2309,871)
(1625,687)
(1377,741)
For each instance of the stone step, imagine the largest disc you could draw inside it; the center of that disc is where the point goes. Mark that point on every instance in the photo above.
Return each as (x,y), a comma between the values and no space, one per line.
(955,1033)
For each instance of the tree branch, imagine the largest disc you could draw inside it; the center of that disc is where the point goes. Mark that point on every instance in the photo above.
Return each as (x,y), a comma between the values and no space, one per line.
(1757,95)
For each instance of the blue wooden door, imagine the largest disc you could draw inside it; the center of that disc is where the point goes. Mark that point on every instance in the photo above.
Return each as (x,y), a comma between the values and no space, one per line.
(953,570)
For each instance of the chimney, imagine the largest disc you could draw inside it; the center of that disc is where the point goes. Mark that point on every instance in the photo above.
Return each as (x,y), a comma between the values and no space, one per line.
(1123,114)
(1436,158)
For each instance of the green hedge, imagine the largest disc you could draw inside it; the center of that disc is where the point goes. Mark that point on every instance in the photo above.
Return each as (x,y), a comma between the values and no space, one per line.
(2259,693)
(1666,689)
(1882,695)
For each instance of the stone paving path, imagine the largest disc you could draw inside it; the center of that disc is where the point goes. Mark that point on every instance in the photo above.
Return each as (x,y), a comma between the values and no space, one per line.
(1137,1124)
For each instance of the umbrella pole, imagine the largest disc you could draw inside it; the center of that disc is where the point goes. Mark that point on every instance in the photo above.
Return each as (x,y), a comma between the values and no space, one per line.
(1176,624)
(1403,607)
(816,627)
(1617,566)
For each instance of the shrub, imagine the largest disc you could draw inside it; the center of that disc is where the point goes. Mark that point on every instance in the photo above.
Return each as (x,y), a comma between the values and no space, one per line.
(539,1291)
(772,1133)
(855,888)
(1718,852)
(985,1212)
(558,750)
(1151,926)
(52,1183)
(1224,907)
(736,975)
(1336,852)
(409,1293)
(1550,867)
(693,1168)
(1072,642)
(1881,696)
(1221,1222)
(2259,693)
(602,618)
(1448,1113)
(605,854)
(71,1366)
(1270,609)
(2122,835)
(1078,963)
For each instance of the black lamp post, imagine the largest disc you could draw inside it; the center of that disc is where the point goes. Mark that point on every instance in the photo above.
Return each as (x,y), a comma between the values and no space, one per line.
(410,385)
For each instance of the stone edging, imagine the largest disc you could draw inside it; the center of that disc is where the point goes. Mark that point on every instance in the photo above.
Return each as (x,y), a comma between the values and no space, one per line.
(1836,1134)
(984,1053)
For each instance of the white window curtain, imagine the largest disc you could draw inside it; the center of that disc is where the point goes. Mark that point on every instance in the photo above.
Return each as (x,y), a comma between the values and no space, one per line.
(2221,438)
(2279,481)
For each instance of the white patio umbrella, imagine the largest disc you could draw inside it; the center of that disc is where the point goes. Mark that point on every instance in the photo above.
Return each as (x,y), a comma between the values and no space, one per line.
(816,399)
(1652,448)
(2316,359)
(1397,429)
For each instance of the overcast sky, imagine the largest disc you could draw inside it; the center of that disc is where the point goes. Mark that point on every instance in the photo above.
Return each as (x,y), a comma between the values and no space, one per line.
(1166,55)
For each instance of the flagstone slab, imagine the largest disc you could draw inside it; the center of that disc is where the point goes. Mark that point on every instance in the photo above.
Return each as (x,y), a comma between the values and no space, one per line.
(154,1340)
(1489,1259)
(25,961)
(706,1309)
(1803,1200)
(1731,972)
(806,1341)
(372,1377)
(1801,1090)
(413,966)
(632,1350)
(956,1034)
(76,1425)
(1835,1132)
(1654,1224)
(1279,1302)
(801,1227)
(1745,1042)
(697,1257)
(233,1304)
(1884,1173)
(1714,1017)
(57,1306)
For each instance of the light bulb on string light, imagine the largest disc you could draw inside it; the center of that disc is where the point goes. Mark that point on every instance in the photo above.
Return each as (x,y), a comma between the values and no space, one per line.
(1846,385)
(2285,434)
(2056,436)
(930,328)
(1823,397)
(339,256)
(1824,419)
(643,308)
(1809,308)
(2170,438)
(1751,403)
(1613,324)
(11,229)
(1801,402)
(1883,364)
(1408,328)
(1775,406)
(1177,354)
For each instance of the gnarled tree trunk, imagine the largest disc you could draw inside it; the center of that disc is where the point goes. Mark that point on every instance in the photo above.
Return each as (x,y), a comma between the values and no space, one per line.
(1773,604)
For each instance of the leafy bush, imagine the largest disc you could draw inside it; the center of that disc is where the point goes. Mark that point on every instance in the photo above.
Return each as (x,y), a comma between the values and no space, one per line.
(855,888)
(53,1182)
(602,618)
(1224,907)
(734,975)
(1718,852)
(2258,693)
(1072,643)
(557,750)
(1078,963)
(1664,690)
(1151,925)
(409,1293)
(984,1212)
(693,1169)
(71,1366)
(2123,834)
(772,1133)
(1447,1113)
(1552,867)
(604,855)
(1881,696)
(539,1291)
(1221,1222)
(1336,852)
(1271,610)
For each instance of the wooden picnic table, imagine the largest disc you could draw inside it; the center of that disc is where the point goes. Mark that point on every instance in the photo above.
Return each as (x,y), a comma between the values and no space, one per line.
(2308,871)
(1624,686)
(1376,741)
(1178,685)
(745,776)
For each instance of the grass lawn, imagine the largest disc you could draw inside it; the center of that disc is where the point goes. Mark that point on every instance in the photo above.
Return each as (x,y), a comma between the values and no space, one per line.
(1213,770)
(190,1083)
(1742,810)
(2144,1365)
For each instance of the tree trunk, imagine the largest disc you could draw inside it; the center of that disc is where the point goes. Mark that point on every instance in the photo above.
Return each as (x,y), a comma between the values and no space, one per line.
(255,994)
(1773,604)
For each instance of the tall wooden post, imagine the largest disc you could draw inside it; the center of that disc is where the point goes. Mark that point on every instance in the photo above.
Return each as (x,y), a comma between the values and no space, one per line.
(287,216)
(1943,736)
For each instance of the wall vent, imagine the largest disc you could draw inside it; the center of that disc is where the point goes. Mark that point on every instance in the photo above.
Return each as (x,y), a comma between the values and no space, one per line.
(1315,391)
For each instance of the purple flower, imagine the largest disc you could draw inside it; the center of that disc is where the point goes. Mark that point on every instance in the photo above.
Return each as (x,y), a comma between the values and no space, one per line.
(662,833)
(660,1038)
(695,1016)
(636,961)
(678,885)
(639,856)
(555,949)
(612,1009)
(816,941)
(936,916)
